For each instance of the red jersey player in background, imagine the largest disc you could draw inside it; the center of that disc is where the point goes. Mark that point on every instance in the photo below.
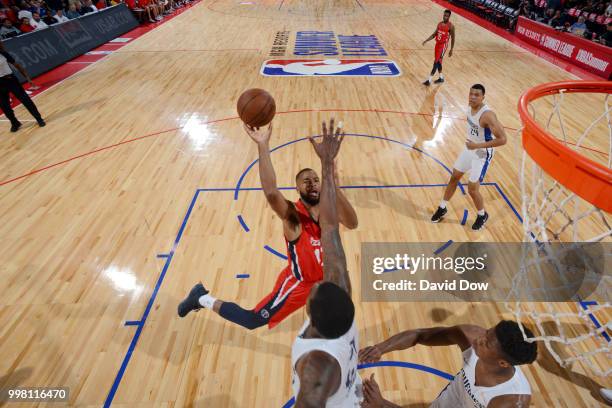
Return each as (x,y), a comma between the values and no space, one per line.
(302,240)
(444,30)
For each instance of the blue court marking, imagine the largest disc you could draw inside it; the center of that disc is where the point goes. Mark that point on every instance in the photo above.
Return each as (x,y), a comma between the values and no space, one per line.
(241,221)
(401,364)
(395,186)
(221,189)
(250,166)
(246,228)
(401,186)
(465,215)
(507,201)
(443,247)
(140,323)
(413,366)
(275,252)
(213,189)
(243,276)
(145,315)
(585,305)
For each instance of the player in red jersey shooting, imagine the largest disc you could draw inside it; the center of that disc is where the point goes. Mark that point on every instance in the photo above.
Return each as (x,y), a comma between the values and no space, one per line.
(302,239)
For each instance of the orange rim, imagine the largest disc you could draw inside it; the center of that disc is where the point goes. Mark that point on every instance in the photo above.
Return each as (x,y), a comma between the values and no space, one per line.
(589,180)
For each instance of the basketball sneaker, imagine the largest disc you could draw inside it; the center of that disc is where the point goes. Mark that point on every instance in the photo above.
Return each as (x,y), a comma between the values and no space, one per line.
(439,81)
(426,83)
(480,221)
(15,126)
(440,212)
(191,301)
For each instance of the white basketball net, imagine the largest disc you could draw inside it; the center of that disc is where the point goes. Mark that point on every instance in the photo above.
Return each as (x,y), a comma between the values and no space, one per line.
(554,214)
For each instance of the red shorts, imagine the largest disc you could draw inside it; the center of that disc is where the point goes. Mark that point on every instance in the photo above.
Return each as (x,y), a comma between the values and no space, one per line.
(288,295)
(440,50)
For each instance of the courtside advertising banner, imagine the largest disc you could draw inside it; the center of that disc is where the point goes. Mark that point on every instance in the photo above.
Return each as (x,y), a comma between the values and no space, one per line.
(588,55)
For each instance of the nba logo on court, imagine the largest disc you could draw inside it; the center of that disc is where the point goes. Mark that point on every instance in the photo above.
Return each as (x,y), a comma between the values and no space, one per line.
(330,67)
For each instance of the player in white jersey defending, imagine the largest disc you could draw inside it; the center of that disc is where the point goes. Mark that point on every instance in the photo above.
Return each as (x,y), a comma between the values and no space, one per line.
(490,377)
(324,355)
(476,156)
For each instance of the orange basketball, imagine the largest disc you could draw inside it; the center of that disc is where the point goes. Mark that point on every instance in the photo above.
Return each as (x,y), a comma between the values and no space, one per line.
(256,107)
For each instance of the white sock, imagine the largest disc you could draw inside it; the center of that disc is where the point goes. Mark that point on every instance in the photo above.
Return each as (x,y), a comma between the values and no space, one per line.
(429,78)
(481,212)
(443,204)
(441,76)
(207,301)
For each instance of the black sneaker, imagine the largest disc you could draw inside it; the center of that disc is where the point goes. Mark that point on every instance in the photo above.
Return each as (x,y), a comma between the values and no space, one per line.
(439,81)
(426,83)
(191,301)
(440,212)
(15,126)
(480,221)
(41,122)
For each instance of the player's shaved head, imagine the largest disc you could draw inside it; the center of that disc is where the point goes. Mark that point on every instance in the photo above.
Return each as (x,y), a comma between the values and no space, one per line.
(516,350)
(331,310)
(299,173)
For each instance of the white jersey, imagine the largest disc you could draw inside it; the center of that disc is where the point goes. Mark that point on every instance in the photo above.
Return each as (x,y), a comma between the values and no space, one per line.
(344,349)
(475,132)
(462,391)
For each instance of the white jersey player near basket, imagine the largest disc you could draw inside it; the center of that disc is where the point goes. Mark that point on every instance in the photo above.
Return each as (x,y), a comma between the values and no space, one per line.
(324,355)
(490,377)
(484,132)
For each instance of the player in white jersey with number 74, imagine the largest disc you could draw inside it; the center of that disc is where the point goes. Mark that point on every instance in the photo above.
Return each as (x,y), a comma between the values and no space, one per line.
(484,132)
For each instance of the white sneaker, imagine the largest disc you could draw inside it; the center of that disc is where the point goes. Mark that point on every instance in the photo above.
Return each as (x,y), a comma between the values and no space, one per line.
(606,394)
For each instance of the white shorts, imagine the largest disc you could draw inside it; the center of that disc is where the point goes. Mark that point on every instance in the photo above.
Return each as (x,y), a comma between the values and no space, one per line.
(476,162)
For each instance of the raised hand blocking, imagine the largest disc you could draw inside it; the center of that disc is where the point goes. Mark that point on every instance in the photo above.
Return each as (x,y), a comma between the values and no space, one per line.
(329,147)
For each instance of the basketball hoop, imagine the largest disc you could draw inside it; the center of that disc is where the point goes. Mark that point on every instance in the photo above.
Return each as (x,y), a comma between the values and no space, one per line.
(589,180)
(566,202)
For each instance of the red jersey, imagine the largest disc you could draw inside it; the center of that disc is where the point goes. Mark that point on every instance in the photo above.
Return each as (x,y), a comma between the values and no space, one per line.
(443,33)
(305,254)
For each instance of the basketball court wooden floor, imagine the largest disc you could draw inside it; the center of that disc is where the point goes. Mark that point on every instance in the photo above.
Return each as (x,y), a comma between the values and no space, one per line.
(97,250)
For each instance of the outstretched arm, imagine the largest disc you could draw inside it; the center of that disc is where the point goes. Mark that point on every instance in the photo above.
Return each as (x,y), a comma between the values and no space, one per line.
(334,259)
(461,335)
(275,198)
(431,37)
